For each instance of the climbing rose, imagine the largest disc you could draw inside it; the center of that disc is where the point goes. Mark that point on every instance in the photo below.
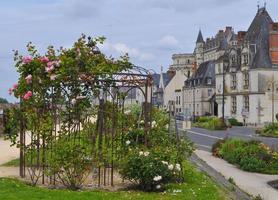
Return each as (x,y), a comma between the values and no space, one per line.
(53,77)
(28,95)
(44,59)
(28,79)
(27,59)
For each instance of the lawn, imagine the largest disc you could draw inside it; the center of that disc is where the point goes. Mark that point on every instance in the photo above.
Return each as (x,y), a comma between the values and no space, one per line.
(198,186)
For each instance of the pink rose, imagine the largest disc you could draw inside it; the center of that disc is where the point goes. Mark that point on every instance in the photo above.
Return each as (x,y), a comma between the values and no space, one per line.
(15,86)
(44,59)
(49,69)
(27,59)
(28,95)
(28,79)
(10,91)
(57,63)
(49,64)
(53,77)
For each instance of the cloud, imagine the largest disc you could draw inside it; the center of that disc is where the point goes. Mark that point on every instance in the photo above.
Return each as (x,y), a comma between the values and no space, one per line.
(122,48)
(168,42)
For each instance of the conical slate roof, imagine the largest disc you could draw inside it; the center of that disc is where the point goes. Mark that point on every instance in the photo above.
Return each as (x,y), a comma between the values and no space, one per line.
(200,37)
(258,38)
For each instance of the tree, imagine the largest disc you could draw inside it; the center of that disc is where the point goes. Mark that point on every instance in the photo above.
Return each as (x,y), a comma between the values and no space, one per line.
(2,100)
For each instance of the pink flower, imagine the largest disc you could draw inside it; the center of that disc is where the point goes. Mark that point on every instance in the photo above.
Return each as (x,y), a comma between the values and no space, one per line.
(53,77)
(15,86)
(49,64)
(28,95)
(44,59)
(57,63)
(27,59)
(49,69)
(28,79)
(10,91)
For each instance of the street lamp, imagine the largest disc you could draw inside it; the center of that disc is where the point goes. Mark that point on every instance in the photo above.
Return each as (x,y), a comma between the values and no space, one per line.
(272,84)
(225,67)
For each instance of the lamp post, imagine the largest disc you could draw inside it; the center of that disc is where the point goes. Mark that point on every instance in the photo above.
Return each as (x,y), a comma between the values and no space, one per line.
(272,87)
(225,66)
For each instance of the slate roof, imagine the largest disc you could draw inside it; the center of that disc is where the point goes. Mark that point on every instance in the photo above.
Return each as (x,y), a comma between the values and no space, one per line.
(258,33)
(206,70)
(200,37)
(156,79)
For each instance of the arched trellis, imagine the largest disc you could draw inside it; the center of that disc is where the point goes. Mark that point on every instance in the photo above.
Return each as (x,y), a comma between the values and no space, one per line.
(108,91)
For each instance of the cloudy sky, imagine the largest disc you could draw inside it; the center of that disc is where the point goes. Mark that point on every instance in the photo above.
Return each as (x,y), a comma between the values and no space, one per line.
(149,30)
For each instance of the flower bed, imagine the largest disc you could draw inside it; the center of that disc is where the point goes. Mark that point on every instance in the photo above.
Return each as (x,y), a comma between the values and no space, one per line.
(210,123)
(250,156)
(270,130)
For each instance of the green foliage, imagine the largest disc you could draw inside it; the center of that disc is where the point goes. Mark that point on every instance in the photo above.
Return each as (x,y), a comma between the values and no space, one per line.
(252,164)
(270,130)
(12,126)
(162,157)
(249,155)
(149,169)
(210,123)
(234,122)
(71,161)
(2,100)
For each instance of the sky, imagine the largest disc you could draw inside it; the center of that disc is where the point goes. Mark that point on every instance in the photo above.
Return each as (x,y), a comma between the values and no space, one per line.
(150,31)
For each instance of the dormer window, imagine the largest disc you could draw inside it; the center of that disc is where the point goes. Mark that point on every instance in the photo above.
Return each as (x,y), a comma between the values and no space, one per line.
(209,81)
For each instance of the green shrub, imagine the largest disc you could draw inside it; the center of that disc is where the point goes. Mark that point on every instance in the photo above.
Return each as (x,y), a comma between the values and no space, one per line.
(210,123)
(249,155)
(203,119)
(234,122)
(149,169)
(71,162)
(270,130)
(252,164)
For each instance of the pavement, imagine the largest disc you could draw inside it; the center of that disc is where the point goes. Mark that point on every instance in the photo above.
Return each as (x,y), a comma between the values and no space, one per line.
(204,139)
(252,183)
(7,153)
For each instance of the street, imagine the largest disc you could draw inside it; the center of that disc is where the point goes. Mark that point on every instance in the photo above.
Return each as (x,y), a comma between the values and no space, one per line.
(204,139)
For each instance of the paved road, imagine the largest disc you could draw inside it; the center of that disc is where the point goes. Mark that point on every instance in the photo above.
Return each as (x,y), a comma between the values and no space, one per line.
(204,139)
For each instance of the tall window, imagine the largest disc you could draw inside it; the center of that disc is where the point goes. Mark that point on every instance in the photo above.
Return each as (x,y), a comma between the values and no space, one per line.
(246,103)
(234,81)
(233,104)
(245,59)
(245,80)
(209,92)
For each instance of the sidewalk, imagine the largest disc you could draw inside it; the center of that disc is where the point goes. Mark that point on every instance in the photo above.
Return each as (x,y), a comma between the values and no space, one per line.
(252,183)
(7,152)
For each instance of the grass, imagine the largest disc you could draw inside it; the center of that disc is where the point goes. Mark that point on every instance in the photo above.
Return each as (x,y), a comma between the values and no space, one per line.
(11,163)
(198,186)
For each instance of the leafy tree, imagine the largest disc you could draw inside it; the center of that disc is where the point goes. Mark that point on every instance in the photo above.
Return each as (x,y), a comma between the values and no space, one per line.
(2,100)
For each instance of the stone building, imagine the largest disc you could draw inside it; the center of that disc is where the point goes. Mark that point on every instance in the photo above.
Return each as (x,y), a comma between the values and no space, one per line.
(199,91)
(180,70)
(250,67)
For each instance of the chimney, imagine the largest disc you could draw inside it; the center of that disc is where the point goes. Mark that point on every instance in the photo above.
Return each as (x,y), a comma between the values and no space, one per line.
(240,36)
(273,43)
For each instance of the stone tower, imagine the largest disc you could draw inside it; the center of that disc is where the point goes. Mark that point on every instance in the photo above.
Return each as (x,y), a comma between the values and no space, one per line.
(199,49)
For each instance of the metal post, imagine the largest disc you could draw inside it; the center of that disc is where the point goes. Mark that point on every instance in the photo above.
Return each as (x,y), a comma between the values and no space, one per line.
(193,103)
(272,85)
(223,96)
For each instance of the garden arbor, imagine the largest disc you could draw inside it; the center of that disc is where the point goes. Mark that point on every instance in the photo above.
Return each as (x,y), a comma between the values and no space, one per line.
(73,120)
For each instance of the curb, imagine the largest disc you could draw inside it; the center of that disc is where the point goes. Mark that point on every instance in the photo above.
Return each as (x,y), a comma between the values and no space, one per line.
(232,189)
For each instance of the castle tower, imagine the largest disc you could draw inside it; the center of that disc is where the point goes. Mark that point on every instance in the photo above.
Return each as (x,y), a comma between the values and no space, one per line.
(199,49)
